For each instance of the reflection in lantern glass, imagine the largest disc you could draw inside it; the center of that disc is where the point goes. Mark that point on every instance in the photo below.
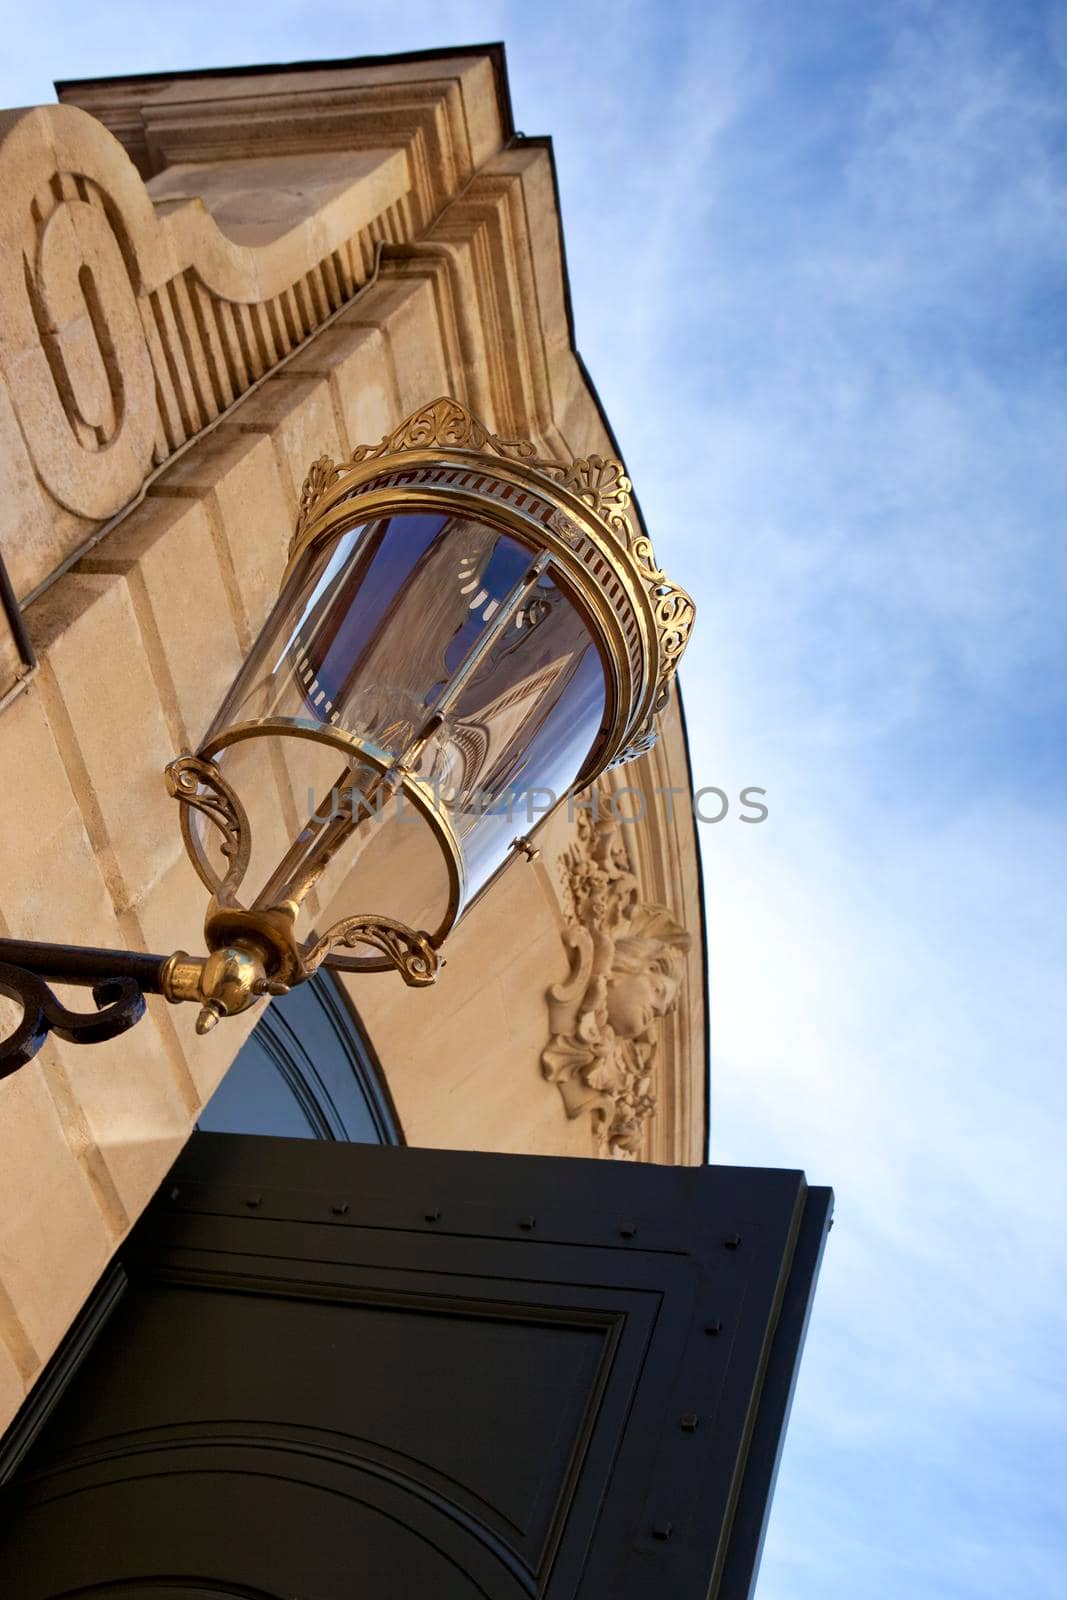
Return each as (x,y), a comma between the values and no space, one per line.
(422,641)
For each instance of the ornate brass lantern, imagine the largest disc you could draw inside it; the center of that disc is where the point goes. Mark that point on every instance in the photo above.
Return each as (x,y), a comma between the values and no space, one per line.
(461,627)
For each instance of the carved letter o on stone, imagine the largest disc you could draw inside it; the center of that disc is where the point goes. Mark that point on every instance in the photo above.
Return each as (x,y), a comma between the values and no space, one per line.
(85,395)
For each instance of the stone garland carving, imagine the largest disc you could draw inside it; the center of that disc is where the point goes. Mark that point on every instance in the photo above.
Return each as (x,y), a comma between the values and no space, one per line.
(627,969)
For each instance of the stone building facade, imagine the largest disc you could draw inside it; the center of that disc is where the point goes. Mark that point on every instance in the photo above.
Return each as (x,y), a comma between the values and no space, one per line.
(206,282)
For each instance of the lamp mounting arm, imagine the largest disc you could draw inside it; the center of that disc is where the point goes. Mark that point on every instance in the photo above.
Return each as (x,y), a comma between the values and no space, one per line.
(119,980)
(223,983)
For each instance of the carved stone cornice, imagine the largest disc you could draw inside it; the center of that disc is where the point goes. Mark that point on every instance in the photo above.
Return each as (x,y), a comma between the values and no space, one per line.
(132,316)
(448,111)
(627,971)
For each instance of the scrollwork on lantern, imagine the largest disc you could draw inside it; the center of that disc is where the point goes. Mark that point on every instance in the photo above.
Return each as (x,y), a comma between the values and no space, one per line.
(596,511)
(674,612)
(644,738)
(410,953)
(448,424)
(603,485)
(322,475)
(199,786)
(627,971)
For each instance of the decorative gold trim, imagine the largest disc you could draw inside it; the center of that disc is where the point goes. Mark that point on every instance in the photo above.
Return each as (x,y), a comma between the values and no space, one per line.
(411,954)
(253,951)
(420,794)
(601,483)
(444,422)
(179,977)
(186,777)
(322,475)
(224,983)
(586,518)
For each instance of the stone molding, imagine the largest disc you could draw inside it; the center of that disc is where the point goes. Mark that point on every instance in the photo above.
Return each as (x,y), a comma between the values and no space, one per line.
(447,110)
(124,330)
(132,316)
(627,974)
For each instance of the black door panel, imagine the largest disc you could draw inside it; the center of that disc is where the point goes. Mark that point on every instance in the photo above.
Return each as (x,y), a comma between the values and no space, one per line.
(343,1370)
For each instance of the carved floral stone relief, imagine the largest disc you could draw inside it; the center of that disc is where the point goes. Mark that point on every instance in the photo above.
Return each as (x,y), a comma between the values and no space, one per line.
(627,970)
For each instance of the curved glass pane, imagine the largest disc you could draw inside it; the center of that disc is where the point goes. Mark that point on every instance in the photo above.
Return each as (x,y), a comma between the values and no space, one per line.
(524,725)
(369,631)
(429,640)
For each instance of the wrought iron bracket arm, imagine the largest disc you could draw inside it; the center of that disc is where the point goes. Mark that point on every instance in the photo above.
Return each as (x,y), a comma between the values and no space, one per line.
(226,981)
(119,980)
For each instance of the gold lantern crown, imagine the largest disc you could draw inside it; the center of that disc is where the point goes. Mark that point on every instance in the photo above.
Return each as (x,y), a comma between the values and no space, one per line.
(444,457)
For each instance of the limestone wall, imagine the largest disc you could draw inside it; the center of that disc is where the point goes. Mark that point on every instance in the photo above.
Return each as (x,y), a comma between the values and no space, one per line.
(162,382)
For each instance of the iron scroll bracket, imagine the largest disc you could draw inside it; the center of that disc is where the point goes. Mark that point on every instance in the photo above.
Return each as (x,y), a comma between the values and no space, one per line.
(118,979)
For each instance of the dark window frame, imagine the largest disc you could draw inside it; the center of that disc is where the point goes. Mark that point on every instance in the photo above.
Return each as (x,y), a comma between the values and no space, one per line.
(293,1058)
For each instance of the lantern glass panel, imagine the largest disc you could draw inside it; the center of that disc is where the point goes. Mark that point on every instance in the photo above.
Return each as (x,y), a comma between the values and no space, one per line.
(402,619)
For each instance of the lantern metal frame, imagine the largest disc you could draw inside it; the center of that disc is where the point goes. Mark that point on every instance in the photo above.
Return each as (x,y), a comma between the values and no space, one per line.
(575,519)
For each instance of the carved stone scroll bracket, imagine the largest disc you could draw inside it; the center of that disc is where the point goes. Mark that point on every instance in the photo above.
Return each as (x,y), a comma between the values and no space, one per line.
(627,969)
(127,328)
(79,248)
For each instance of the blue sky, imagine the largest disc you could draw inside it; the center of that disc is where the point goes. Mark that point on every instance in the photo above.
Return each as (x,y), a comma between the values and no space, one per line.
(818,257)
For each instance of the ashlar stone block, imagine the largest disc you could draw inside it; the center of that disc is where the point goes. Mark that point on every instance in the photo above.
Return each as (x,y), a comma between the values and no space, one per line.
(135,1103)
(167,555)
(104,712)
(355,359)
(51,885)
(405,311)
(236,477)
(53,1240)
(298,414)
